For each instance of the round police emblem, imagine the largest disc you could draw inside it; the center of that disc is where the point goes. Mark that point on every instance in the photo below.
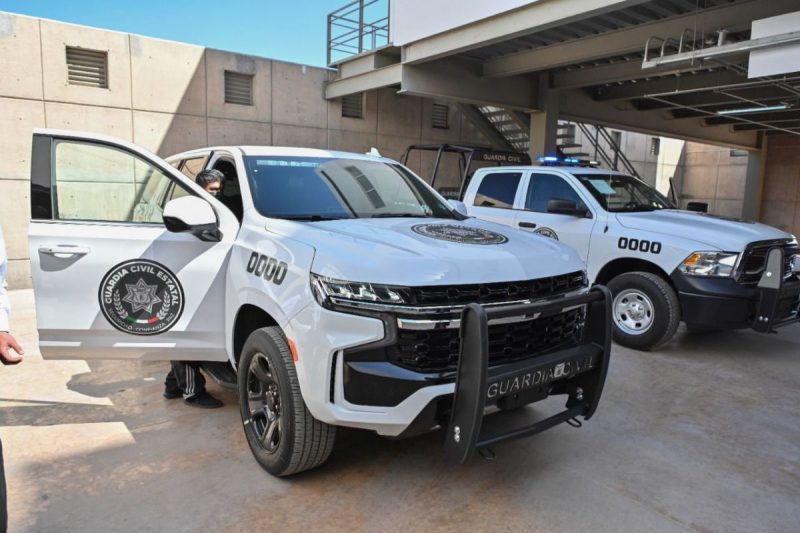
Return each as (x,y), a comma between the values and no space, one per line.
(141,297)
(459,234)
(547,232)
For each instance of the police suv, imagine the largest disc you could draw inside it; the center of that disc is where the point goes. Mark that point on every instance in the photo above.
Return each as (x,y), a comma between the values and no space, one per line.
(332,289)
(663,265)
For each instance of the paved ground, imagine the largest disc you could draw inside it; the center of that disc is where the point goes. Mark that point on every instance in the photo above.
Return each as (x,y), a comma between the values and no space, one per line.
(702,435)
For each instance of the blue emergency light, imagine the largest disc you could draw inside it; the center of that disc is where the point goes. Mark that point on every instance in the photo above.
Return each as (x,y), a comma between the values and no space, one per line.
(554,160)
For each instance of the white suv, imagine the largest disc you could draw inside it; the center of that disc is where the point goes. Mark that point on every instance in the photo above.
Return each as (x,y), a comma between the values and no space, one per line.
(332,289)
(662,265)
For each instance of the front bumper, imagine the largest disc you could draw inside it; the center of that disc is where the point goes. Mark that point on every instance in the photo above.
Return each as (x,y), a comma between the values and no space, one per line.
(395,401)
(722,303)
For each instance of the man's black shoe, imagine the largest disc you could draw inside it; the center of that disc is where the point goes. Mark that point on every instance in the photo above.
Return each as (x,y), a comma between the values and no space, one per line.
(203,400)
(171,394)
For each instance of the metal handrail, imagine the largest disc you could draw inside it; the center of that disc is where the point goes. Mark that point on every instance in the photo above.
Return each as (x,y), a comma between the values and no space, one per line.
(350,34)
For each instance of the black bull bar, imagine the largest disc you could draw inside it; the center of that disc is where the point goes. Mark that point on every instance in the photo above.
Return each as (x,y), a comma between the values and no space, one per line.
(579,371)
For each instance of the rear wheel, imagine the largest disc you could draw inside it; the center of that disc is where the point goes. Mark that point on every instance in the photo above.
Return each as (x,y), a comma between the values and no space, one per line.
(283,435)
(645,310)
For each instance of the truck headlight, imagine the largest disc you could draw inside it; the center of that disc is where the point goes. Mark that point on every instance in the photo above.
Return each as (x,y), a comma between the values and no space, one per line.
(339,293)
(714,264)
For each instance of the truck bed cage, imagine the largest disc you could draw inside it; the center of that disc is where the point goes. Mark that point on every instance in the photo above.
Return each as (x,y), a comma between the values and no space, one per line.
(468,154)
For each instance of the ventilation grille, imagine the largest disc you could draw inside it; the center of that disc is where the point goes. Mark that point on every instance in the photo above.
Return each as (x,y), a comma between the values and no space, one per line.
(87,67)
(439,116)
(353,105)
(238,88)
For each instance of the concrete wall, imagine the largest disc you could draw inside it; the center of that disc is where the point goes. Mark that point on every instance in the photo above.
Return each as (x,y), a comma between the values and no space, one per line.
(168,97)
(780,199)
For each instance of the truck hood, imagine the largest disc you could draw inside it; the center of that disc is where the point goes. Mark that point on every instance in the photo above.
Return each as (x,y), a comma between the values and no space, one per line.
(411,251)
(716,232)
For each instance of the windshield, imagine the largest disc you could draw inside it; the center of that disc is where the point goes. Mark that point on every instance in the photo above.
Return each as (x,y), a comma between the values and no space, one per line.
(325,188)
(622,194)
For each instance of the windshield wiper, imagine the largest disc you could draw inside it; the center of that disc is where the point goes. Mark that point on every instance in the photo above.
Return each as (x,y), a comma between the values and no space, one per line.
(401,215)
(311,218)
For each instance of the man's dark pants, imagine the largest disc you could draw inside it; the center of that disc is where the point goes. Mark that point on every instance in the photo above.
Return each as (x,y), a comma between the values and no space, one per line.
(185,376)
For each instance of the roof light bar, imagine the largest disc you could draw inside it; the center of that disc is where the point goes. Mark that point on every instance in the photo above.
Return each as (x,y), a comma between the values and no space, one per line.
(744,110)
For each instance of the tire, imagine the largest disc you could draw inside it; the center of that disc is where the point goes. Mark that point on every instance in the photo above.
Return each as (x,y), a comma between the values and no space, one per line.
(645,310)
(283,435)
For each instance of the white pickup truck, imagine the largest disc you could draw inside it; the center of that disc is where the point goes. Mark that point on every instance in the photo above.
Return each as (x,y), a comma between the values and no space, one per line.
(332,289)
(662,265)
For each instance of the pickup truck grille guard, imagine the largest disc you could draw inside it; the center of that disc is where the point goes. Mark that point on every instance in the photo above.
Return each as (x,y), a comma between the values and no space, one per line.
(779,295)
(579,371)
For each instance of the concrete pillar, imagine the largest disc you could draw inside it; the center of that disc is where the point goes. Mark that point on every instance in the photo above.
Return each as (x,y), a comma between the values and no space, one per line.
(754,182)
(544,123)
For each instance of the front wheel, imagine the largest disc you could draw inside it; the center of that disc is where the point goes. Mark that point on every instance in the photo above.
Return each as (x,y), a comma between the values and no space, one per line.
(645,310)
(283,435)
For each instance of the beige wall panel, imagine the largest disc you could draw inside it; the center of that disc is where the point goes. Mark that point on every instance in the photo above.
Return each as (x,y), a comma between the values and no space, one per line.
(297,95)
(217,63)
(469,134)
(725,158)
(351,142)
(779,214)
(698,158)
(20,56)
(368,124)
(781,182)
(168,76)
(167,134)
(728,208)
(95,200)
(57,36)
(17,120)
(731,181)
(433,135)
(232,132)
(15,214)
(105,120)
(394,147)
(699,181)
(19,274)
(283,135)
(398,114)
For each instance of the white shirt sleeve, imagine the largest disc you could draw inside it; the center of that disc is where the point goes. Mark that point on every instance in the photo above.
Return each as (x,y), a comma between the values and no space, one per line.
(5,305)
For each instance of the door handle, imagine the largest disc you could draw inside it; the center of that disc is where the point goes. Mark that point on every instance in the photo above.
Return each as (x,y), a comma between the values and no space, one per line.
(529,225)
(63,249)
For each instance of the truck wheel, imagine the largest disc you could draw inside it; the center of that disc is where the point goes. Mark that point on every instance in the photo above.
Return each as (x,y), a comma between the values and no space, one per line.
(283,436)
(645,310)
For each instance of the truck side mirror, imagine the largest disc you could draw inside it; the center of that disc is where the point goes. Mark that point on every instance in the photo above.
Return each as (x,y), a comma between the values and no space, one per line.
(190,214)
(567,207)
(459,207)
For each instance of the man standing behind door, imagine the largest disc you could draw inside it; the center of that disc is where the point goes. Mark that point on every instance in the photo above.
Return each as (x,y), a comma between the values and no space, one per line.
(10,354)
(185,378)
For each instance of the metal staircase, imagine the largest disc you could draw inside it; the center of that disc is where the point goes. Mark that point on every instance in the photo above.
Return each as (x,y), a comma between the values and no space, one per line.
(512,129)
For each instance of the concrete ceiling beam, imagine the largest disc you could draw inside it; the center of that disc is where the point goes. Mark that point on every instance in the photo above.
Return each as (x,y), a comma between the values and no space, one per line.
(632,39)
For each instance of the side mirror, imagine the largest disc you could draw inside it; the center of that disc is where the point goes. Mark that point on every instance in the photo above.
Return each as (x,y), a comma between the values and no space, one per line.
(566,207)
(190,214)
(459,207)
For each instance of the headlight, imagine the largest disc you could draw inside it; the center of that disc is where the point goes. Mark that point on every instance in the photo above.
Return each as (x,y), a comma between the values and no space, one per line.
(716,264)
(334,292)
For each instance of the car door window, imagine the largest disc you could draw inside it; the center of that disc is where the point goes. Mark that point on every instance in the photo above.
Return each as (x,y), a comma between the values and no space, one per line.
(192,167)
(498,189)
(545,187)
(101,183)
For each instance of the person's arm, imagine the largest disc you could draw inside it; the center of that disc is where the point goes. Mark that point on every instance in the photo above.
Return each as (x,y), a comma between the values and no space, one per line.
(7,341)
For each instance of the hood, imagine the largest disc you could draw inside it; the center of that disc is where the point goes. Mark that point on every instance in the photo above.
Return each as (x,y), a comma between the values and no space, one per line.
(416,251)
(716,232)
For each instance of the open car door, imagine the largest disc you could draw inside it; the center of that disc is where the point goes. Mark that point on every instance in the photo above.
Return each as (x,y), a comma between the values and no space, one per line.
(110,281)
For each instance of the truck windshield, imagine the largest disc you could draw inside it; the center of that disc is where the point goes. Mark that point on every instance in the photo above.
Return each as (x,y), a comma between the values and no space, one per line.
(622,194)
(320,188)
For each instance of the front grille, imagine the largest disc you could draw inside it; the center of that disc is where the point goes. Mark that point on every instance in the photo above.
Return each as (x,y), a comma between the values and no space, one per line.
(437,350)
(754,260)
(484,293)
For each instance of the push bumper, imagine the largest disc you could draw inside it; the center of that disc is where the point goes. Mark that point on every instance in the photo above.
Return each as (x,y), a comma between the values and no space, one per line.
(579,372)
(722,303)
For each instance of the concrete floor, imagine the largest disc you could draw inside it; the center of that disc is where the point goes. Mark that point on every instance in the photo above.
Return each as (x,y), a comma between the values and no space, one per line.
(702,435)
